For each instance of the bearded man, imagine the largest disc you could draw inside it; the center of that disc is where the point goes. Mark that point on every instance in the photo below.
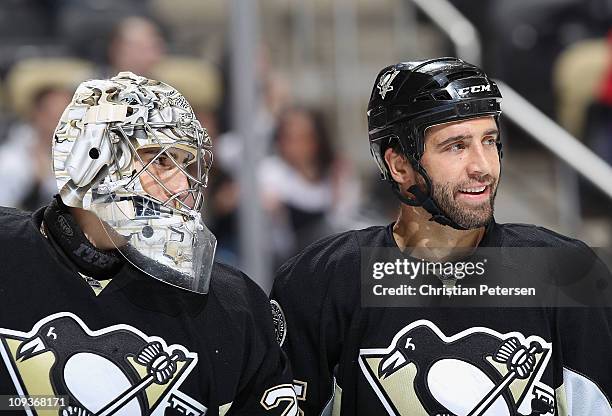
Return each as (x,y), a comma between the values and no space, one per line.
(446,346)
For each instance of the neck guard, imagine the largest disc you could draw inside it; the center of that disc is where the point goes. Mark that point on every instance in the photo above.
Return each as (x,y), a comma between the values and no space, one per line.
(64,232)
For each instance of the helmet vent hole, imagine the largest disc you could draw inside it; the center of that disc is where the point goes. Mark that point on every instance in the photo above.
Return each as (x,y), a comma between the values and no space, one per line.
(424,97)
(461,75)
(94,153)
(147,231)
(442,96)
(130,111)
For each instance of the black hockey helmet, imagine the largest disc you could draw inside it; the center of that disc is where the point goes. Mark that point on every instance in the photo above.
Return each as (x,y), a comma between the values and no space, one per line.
(408,97)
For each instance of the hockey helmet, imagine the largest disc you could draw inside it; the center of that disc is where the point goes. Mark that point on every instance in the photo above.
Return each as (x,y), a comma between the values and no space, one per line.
(131,150)
(409,97)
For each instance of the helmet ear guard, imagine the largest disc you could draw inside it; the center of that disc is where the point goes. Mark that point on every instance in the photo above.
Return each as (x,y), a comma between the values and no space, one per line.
(408,98)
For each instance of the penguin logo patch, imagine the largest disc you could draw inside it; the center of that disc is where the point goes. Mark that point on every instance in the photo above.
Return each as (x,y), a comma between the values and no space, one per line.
(477,372)
(384,83)
(113,371)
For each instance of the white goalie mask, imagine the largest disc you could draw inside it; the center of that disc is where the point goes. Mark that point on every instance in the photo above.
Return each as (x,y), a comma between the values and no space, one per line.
(130,150)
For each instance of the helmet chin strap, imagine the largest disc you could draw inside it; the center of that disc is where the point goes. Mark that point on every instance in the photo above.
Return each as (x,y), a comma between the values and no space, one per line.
(427,202)
(425,199)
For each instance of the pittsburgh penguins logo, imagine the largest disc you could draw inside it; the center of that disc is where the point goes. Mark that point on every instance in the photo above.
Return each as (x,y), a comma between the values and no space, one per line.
(384,82)
(478,372)
(113,371)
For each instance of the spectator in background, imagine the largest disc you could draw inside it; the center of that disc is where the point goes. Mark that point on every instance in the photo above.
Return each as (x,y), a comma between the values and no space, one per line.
(40,90)
(304,184)
(598,136)
(26,176)
(273,94)
(136,45)
(599,120)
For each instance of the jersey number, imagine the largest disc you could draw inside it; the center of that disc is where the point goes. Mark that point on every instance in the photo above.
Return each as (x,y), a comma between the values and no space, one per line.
(275,397)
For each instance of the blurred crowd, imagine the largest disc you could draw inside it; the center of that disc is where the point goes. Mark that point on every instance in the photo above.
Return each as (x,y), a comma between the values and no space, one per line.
(308,187)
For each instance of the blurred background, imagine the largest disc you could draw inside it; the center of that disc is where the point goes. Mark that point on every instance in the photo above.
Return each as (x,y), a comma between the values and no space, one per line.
(282,87)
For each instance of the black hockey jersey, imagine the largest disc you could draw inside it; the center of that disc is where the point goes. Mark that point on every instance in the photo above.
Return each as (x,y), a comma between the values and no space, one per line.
(139,347)
(436,361)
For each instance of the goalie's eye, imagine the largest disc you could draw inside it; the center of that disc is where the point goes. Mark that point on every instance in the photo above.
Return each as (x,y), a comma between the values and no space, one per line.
(167,160)
(164,175)
(182,157)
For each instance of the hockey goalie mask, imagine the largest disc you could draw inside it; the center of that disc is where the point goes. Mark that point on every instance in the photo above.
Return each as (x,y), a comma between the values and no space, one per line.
(130,150)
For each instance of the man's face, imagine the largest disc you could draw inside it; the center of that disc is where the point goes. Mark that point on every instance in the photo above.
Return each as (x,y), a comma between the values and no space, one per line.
(462,161)
(167,173)
(138,47)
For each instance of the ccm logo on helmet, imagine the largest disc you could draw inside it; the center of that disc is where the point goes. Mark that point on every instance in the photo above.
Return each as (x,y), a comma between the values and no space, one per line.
(474,88)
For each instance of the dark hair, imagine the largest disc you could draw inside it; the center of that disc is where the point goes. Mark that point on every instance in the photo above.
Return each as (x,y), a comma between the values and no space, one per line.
(117,31)
(392,143)
(325,155)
